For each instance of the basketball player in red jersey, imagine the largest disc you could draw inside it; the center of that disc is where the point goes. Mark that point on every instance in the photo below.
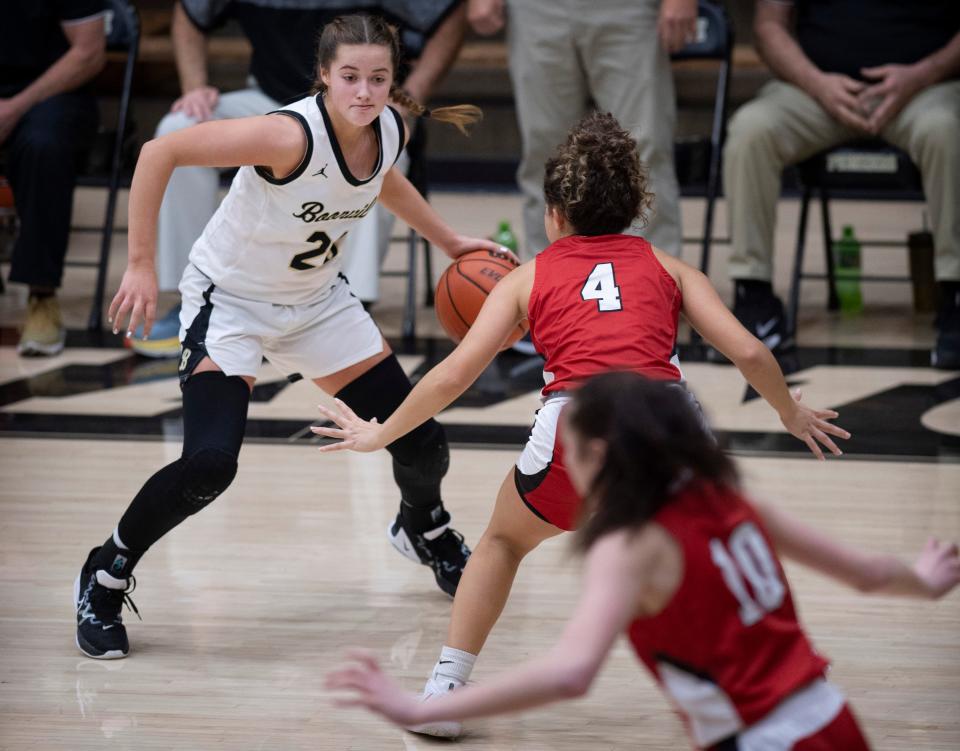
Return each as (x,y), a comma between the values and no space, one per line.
(672,548)
(596,300)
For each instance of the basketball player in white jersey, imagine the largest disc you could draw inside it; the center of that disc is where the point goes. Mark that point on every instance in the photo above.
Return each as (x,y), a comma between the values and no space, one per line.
(264,280)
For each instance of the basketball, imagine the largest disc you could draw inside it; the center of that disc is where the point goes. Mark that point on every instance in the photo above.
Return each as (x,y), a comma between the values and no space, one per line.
(464,287)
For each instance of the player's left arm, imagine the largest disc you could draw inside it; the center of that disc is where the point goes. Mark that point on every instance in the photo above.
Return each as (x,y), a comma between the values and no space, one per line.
(503,309)
(706,312)
(934,573)
(614,580)
(400,197)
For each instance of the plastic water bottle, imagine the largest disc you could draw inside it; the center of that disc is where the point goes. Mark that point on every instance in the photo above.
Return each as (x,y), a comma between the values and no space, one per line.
(505,236)
(846,253)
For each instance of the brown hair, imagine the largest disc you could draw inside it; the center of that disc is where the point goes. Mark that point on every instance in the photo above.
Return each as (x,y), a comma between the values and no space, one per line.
(595,178)
(361,28)
(656,442)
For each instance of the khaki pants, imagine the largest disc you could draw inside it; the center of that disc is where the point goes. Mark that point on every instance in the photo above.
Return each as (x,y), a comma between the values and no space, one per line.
(784,125)
(564,51)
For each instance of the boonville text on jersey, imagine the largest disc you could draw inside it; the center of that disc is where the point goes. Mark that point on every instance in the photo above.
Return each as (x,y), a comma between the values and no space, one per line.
(312,211)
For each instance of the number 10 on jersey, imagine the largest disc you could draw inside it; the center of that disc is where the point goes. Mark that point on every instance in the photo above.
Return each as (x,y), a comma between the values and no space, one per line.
(602,287)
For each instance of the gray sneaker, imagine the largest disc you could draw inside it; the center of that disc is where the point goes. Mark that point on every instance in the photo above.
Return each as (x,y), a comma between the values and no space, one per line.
(43,331)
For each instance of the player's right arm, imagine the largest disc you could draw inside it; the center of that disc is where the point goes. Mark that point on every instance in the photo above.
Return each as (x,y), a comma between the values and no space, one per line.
(503,309)
(275,142)
(616,579)
(935,572)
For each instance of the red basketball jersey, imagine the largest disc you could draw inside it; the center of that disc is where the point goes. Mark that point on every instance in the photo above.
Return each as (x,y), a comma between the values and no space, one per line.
(603,303)
(728,648)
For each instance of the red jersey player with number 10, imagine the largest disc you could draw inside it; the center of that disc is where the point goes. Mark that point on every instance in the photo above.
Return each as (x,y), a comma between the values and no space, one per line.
(686,567)
(596,300)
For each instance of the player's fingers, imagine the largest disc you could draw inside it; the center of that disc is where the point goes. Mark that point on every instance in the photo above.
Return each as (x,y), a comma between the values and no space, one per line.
(123,310)
(797,395)
(829,427)
(149,314)
(345,410)
(328,432)
(114,307)
(136,316)
(814,448)
(341,446)
(827,441)
(332,416)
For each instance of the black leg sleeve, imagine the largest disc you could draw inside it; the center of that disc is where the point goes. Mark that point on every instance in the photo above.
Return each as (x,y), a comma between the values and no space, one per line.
(214,419)
(420,458)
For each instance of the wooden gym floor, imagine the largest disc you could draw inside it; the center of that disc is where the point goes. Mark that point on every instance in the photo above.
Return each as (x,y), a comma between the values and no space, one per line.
(247,605)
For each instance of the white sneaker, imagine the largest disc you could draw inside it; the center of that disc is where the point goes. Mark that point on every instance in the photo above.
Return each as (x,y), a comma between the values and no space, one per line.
(444,728)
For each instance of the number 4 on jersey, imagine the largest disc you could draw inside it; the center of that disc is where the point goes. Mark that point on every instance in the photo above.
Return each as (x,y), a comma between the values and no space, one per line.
(602,287)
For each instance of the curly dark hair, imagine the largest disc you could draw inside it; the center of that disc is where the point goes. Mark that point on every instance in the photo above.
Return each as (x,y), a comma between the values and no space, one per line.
(595,179)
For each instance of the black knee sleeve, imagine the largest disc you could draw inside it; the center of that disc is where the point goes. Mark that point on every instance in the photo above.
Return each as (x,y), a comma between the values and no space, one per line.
(214,419)
(419,481)
(203,476)
(421,457)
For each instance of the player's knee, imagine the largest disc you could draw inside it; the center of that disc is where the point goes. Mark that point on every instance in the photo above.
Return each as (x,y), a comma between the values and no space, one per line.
(421,458)
(504,544)
(206,474)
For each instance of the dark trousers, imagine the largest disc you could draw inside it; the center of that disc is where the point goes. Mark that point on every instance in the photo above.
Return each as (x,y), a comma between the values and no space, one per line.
(42,155)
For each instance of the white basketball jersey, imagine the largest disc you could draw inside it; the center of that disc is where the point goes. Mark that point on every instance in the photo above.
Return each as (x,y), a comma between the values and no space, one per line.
(275,240)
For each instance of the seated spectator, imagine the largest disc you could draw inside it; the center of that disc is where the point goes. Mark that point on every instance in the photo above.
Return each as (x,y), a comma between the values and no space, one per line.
(49,51)
(284,41)
(849,69)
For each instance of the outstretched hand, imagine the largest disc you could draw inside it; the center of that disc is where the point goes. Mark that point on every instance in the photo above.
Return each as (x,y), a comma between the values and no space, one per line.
(355,433)
(812,427)
(938,567)
(369,687)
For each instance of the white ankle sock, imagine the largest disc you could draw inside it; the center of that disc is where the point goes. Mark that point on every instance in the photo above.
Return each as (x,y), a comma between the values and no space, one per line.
(454,666)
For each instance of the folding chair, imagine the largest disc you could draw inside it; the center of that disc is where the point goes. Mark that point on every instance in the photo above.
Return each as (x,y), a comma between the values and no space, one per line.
(862,169)
(123,34)
(714,41)
(417,174)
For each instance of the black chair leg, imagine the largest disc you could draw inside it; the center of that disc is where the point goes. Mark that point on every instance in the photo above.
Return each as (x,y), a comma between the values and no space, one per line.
(794,302)
(408,330)
(833,302)
(95,320)
(428,270)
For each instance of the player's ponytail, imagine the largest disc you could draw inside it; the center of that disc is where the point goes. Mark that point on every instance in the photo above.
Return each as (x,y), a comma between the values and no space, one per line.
(654,443)
(360,28)
(459,115)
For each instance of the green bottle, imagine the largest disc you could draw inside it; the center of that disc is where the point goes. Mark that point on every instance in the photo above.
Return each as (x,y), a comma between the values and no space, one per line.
(505,236)
(846,254)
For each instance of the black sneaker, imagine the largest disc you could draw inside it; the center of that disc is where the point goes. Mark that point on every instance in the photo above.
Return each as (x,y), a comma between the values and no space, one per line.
(441,548)
(98,598)
(946,352)
(761,313)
